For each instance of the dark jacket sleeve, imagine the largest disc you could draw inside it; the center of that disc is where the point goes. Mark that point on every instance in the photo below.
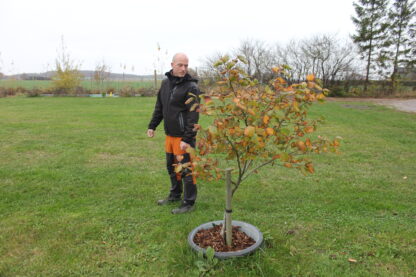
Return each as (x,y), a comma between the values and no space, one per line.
(192,116)
(157,113)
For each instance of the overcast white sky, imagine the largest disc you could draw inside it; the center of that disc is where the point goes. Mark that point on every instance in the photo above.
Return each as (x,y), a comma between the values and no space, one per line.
(126,32)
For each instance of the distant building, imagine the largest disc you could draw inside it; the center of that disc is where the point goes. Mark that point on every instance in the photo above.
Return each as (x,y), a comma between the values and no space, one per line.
(407,74)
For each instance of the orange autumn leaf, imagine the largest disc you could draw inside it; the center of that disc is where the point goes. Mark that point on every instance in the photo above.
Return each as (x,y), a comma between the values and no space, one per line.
(308,129)
(309,168)
(269,131)
(301,145)
(308,142)
(310,77)
(266,119)
(288,165)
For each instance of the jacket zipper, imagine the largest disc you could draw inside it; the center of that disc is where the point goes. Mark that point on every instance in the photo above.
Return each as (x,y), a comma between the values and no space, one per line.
(181,123)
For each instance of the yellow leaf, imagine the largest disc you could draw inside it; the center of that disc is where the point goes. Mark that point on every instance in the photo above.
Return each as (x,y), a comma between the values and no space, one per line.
(191,94)
(190,151)
(296,106)
(351,260)
(276,69)
(189,101)
(310,77)
(194,106)
(266,119)
(260,131)
(178,168)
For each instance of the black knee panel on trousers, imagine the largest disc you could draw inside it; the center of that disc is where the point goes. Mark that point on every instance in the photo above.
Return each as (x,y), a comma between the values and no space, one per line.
(176,185)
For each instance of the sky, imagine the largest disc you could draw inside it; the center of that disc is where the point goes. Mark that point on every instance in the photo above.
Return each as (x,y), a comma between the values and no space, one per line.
(126,34)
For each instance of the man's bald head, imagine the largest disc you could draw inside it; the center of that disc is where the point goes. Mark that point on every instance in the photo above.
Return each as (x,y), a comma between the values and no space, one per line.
(179,56)
(179,64)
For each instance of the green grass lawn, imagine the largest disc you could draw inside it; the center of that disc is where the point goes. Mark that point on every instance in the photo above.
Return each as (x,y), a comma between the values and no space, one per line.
(79,180)
(91,85)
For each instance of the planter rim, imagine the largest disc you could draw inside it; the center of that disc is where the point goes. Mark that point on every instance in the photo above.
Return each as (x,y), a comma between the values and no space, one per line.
(250,230)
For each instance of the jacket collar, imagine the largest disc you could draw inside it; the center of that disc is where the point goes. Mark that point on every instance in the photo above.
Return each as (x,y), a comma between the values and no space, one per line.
(178,80)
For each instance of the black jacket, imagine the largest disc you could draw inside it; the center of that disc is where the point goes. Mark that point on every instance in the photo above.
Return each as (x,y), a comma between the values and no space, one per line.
(170,106)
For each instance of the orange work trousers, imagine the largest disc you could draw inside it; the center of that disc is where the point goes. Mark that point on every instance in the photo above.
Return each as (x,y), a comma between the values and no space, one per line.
(172,145)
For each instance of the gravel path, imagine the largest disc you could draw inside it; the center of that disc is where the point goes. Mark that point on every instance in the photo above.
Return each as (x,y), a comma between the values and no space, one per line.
(406,105)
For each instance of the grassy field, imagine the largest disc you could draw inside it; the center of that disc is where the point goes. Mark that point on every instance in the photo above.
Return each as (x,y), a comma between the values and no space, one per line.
(91,85)
(79,181)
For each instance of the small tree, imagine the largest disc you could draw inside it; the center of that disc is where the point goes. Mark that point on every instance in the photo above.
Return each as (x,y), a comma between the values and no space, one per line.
(256,125)
(67,78)
(101,73)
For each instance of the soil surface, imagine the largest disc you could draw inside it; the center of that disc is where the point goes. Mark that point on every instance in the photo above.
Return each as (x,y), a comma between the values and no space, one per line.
(212,237)
(406,105)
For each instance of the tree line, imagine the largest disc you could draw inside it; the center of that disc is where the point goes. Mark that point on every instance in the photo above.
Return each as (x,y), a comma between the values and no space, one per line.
(326,56)
(386,37)
(384,42)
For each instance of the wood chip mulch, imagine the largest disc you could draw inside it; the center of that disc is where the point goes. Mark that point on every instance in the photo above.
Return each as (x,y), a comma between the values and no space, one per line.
(212,237)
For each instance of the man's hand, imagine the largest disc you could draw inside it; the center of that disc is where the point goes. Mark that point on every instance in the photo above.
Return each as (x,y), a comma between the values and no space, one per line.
(150,133)
(184,145)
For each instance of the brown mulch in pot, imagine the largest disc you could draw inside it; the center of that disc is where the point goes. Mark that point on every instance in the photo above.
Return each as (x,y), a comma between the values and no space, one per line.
(212,237)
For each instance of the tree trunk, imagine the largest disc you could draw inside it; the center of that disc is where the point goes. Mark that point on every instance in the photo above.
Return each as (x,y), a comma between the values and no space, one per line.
(228,211)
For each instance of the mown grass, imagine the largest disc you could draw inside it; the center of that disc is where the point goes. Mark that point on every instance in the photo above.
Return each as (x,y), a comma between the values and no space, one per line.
(79,180)
(91,85)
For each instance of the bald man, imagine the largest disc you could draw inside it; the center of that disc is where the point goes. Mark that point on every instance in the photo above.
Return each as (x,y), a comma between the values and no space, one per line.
(173,106)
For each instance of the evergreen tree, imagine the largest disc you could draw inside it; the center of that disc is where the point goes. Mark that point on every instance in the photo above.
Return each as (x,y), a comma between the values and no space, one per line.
(402,51)
(370,31)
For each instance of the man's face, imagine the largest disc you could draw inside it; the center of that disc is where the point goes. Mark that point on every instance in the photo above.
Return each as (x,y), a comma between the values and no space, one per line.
(180,66)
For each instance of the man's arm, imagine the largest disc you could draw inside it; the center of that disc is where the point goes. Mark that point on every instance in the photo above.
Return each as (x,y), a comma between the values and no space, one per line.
(156,117)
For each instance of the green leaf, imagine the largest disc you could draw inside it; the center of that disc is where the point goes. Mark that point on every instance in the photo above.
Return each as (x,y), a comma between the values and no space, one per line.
(201,254)
(285,131)
(242,59)
(218,63)
(210,253)
(284,157)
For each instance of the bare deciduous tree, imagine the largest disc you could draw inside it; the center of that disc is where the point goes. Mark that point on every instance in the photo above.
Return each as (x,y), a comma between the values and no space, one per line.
(101,73)
(259,57)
